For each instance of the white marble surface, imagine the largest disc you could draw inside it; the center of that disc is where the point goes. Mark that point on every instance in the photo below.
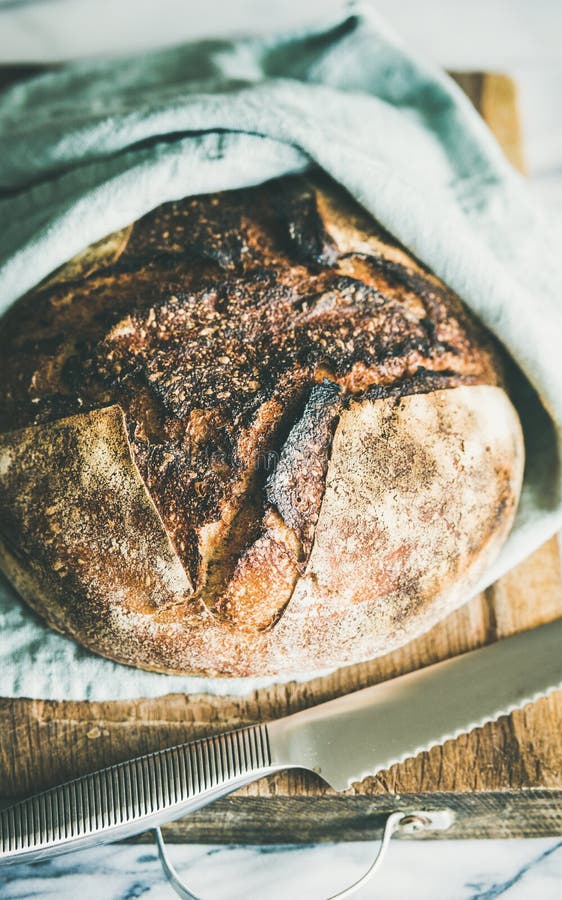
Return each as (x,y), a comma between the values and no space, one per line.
(522,37)
(451,870)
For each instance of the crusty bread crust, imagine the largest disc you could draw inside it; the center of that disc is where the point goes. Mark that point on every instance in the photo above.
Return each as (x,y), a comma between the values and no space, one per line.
(251,435)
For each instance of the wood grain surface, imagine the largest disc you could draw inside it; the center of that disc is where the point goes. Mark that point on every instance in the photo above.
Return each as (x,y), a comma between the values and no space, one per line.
(502,780)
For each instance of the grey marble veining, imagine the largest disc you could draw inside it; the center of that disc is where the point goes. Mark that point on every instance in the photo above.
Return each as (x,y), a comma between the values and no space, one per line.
(521,37)
(437,870)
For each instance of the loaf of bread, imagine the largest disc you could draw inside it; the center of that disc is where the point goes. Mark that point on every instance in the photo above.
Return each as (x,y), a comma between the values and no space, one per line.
(250,434)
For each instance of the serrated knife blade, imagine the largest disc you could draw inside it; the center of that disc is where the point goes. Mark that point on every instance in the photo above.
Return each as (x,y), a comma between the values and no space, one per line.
(343,740)
(346,739)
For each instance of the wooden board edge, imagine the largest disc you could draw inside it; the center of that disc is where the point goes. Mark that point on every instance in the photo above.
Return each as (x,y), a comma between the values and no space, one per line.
(499,106)
(270,820)
(509,813)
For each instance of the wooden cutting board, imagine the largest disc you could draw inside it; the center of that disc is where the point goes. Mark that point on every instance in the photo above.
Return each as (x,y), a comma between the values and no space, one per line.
(503,780)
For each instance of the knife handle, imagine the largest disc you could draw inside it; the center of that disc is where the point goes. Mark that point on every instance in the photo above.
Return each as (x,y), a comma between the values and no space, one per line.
(125,799)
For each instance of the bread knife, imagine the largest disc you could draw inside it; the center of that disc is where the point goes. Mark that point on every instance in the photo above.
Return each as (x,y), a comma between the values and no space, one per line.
(342,740)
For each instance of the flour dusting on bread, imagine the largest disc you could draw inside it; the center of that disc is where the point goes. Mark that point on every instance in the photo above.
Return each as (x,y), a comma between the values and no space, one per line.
(248,434)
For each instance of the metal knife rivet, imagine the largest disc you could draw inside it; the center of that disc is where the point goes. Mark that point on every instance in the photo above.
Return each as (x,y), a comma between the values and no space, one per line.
(413,822)
(434,820)
(344,739)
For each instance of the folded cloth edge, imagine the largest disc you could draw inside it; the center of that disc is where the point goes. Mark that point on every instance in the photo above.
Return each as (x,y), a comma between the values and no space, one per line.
(492,267)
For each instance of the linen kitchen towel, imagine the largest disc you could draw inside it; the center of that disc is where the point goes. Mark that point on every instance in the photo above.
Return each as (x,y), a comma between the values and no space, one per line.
(89,148)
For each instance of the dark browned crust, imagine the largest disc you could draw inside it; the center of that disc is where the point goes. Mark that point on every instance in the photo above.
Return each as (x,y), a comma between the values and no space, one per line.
(296,486)
(232,329)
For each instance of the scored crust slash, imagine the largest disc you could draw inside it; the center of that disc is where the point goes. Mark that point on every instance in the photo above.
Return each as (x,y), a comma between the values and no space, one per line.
(251,434)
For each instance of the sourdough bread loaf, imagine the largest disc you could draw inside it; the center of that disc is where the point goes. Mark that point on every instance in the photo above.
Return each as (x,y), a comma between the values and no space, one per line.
(251,434)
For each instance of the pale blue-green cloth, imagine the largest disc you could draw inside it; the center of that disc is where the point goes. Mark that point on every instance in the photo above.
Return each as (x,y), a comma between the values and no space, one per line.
(88,149)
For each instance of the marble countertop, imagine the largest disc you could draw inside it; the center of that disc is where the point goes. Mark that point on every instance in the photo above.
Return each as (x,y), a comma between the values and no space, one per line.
(521,37)
(436,870)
